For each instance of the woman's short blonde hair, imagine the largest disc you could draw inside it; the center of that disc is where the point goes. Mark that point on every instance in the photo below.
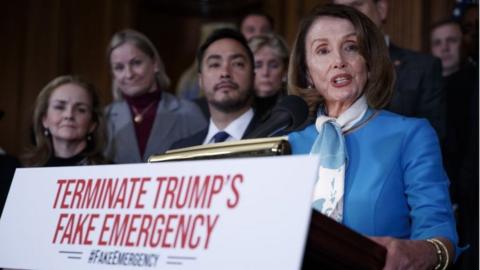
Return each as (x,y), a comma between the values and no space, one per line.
(274,41)
(140,41)
(379,87)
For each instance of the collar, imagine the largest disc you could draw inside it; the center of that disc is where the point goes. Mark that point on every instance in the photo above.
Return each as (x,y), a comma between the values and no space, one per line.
(78,159)
(348,118)
(143,100)
(236,128)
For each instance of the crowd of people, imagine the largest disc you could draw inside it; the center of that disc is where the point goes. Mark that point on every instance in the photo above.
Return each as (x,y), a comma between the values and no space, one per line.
(393,127)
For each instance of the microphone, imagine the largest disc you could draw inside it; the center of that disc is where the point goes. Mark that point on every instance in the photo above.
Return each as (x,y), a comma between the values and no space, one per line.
(290,112)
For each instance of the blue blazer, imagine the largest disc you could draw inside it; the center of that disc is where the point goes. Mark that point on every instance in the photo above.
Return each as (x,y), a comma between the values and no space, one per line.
(395,184)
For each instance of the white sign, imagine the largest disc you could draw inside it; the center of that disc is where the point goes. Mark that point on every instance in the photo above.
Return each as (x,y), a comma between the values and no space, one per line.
(220,214)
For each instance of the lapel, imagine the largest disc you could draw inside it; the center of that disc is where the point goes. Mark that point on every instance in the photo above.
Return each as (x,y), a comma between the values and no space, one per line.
(253,124)
(193,140)
(162,125)
(123,119)
(397,57)
(198,138)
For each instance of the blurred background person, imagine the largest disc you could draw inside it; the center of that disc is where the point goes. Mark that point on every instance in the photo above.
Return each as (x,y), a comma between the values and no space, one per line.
(68,125)
(418,85)
(340,66)
(8,165)
(145,119)
(461,83)
(271,63)
(225,72)
(446,43)
(256,23)
(468,17)
(460,157)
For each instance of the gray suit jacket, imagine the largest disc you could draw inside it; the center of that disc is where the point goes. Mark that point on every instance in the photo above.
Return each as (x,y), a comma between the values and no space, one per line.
(175,119)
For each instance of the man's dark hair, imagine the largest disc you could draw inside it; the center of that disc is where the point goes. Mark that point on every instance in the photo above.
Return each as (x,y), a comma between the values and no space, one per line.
(223,33)
(261,13)
(443,22)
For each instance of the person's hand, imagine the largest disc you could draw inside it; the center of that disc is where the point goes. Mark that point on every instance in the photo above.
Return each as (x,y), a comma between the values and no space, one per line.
(407,254)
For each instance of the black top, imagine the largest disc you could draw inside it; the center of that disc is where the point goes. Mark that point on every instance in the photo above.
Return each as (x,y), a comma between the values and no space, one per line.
(461,157)
(462,123)
(264,105)
(76,160)
(8,164)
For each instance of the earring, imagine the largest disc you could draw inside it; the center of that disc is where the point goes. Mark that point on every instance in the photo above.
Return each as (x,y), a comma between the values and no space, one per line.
(46,132)
(89,137)
(309,86)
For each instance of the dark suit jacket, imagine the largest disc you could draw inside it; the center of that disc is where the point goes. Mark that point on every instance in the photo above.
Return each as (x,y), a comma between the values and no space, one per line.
(199,137)
(419,87)
(8,164)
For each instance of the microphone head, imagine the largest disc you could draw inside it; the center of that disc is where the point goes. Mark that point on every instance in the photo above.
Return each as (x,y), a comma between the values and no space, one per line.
(287,115)
(295,107)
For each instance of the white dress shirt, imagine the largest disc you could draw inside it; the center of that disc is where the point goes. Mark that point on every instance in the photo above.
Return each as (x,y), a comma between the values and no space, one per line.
(235,129)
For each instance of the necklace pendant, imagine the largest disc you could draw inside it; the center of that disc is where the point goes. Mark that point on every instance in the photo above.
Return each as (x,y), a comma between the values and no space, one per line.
(138,118)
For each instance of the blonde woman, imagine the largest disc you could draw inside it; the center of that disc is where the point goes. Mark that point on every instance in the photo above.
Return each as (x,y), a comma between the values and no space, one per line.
(271,63)
(145,119)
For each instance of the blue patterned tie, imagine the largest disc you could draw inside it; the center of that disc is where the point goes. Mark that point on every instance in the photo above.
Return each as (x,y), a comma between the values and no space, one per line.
(221,136)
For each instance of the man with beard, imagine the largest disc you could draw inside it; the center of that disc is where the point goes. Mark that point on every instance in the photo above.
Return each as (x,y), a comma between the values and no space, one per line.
(226,75)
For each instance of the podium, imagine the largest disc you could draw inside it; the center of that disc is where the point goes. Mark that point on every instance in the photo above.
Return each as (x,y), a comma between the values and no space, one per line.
(329,245)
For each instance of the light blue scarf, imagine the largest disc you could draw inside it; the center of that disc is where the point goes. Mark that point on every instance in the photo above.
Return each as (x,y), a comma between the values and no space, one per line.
(330,145)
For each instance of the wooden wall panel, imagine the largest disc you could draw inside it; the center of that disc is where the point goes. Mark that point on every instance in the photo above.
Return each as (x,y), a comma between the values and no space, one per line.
(439,9)
(404,23)
(115,15)
(12,29)
(176,38)
(289,14)
(87,37)
(293,14)
(41,62)
(408,21)
(52,37)
(47,39)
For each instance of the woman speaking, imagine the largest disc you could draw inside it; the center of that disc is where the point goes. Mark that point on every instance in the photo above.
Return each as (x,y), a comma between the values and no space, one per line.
(380,173)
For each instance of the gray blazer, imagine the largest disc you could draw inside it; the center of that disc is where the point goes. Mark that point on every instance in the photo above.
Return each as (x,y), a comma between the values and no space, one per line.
(175,119)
